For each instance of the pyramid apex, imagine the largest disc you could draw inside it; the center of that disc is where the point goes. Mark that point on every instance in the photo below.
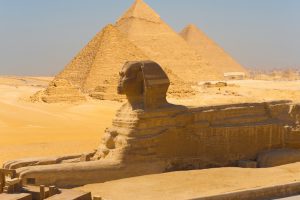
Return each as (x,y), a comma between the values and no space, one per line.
(191,26)
(141,10)
(191,29)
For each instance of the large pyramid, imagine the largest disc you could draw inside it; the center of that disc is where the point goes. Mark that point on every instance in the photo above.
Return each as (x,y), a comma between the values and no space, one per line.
(95,68)
(213,53)
(144,27)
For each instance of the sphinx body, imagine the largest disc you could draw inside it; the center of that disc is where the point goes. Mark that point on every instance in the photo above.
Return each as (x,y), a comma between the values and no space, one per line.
(148,135)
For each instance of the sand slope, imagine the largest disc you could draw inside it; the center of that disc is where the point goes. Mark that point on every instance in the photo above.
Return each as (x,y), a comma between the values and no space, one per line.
(38,129)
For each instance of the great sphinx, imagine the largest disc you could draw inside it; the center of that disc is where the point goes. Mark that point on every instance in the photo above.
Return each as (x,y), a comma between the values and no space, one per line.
(149,135)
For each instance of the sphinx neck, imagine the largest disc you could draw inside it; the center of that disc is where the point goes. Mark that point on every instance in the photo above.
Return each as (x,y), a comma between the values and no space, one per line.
(136,102)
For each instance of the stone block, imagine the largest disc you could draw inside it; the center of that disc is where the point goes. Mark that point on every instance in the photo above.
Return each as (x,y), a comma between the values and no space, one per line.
(22,196)
(71,195)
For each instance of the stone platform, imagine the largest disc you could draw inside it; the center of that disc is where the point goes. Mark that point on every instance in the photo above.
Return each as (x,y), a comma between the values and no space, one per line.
(15,196)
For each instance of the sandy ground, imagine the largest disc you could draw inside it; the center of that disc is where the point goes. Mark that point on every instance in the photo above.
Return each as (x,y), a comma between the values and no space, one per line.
(38,129)
(243,91)
(194,184)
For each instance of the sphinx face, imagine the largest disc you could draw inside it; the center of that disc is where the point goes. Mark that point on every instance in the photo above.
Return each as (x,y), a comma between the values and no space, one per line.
(131,81)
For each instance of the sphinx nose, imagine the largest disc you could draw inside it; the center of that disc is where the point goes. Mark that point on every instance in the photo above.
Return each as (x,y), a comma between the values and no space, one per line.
(119,82)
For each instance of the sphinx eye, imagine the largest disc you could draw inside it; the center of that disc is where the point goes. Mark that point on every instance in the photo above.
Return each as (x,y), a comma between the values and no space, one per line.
(121,74)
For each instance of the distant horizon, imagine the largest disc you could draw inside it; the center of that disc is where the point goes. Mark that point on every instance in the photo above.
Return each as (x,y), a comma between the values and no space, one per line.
(40,38)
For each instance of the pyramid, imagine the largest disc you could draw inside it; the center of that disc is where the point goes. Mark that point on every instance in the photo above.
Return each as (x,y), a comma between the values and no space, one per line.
(213,53)
(144,27)
(96,67)
(95,70)
(59,90)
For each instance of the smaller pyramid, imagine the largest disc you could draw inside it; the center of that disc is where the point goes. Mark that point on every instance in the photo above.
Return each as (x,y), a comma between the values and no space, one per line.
(209,50)
(59,90)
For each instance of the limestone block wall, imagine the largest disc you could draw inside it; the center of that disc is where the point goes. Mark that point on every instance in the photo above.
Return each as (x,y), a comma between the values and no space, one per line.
(293,138)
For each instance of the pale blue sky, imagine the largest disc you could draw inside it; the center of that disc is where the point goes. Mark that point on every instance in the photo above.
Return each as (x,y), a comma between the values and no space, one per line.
(39,37)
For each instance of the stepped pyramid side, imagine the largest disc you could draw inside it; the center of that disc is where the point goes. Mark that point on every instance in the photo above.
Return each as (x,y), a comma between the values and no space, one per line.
(77,70)
(59,90)
(95,68)
(213,53)
(114,50)
(143,26)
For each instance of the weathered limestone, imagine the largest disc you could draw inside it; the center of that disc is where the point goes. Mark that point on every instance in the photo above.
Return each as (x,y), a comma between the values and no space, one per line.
(114,49)
(278,157)
(149,135)
(71,195)
(247,164)
(59,90)
(94,70)
(212,53)
(100,60)
(16,196)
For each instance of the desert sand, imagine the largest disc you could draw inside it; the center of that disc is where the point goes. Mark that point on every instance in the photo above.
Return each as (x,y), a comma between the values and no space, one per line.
(242,91)
(195,183)
(39,129)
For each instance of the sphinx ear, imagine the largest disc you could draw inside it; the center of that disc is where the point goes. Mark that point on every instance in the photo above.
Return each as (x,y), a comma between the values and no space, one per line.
(140,80)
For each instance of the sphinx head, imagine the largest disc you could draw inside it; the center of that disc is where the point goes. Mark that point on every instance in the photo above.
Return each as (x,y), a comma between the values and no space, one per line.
(144,83)
(131,80)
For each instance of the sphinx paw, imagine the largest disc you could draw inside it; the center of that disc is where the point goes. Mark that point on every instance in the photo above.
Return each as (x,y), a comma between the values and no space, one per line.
(15,164)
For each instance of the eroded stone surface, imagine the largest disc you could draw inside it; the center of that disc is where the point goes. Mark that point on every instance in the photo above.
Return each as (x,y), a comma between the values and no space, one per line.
(59,90)
(278,157)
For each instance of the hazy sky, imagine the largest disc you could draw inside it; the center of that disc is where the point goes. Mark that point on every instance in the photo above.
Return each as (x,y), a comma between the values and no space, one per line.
(39,37)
